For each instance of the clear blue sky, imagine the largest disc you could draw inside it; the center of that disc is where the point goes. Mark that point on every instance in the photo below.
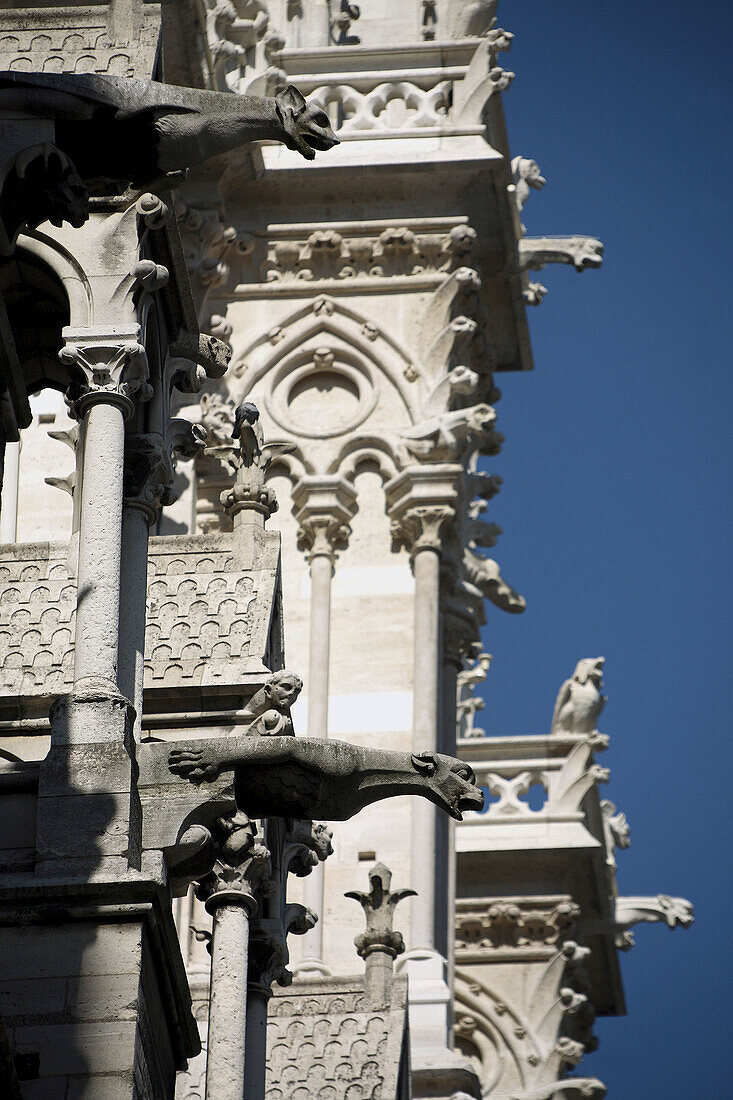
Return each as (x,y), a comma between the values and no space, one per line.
(615,499)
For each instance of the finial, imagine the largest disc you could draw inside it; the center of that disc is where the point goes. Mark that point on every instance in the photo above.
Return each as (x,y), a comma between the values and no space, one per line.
(379,944)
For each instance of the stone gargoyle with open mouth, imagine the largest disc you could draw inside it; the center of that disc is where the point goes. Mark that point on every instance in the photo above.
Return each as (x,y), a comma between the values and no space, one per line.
(300,777)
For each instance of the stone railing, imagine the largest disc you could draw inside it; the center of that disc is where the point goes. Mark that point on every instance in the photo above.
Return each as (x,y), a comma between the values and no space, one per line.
(531,783)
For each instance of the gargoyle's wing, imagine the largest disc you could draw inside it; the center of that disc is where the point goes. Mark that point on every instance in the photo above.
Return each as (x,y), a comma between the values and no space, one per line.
(562,697)
(74,97)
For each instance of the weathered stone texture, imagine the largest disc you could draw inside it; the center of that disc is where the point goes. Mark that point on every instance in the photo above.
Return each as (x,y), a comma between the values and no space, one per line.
(325,1042)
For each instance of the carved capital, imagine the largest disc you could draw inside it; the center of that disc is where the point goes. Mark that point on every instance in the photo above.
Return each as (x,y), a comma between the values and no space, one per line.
(422,528)
(105,367)
(242,870)
(323,508)
(422,503)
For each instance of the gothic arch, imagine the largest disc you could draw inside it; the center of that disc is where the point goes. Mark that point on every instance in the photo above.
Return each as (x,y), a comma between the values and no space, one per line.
(368,346)
(67,269)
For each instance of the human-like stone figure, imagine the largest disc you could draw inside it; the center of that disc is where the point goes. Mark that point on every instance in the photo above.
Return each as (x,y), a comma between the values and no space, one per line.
(270,706)
(579,701)
(331,780)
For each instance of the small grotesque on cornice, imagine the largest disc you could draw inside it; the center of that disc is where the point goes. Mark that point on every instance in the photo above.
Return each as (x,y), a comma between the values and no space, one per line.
(451,436)
(579,702)
(330,780)
(269,708)
(674,912)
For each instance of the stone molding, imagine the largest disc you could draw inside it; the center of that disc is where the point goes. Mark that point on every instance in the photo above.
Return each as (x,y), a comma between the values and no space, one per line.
(107,365)
(323,508)
(489,928)
(422,503)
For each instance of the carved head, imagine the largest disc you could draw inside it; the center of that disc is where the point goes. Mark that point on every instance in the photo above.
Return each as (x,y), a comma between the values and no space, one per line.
(307,127)
(590,668)
(452,783)
(283,688)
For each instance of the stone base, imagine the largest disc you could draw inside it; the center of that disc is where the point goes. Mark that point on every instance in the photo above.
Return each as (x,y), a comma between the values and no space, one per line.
(93,991)
(437,1071)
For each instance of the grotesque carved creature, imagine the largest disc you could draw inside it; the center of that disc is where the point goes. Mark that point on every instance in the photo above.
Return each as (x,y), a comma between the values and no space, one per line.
(449,437)
(484,574)
(527,175)
(331,780)
(115,130)
(270,706)
(579,701)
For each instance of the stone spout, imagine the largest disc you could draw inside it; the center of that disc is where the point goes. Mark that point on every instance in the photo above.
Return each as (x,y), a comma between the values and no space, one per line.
(299,777)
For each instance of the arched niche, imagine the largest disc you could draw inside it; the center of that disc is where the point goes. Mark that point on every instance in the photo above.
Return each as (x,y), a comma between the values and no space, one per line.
(37,308)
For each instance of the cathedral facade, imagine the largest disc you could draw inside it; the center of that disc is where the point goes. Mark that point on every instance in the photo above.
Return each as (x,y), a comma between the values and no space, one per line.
(253,437)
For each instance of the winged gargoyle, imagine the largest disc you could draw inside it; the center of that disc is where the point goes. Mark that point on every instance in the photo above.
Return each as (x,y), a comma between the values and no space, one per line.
(116,130)
(303,777)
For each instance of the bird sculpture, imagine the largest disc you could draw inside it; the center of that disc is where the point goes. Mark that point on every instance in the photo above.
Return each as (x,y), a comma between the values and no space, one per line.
(246,413)
(579,701)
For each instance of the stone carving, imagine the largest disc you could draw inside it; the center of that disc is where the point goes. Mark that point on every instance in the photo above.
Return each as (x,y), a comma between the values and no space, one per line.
(326,1040)
(150,464)
(201,616)
(341,22)
(470,18)
(527,176)
(450,437)
(331,780)
(241,861)
(674,912)
(394,105)
(217,417)
(579,702)
(490,925)
(249,460)
(80,39)
(616,832)
(269,707)
(101,367)
(379,905)
(467,702)
(422,527)
(209,244)
(536,252)
(574,1088)
(122,130)
(483,574)
(333,254)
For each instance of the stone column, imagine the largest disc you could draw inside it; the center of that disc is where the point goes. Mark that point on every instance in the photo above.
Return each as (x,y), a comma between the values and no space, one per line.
(323,507)
(9,484)
(422,503)
(230,893)
(149,474)
(112,366)
(379,945)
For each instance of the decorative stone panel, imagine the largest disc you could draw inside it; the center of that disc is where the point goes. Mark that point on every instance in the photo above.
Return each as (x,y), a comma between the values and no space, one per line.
(208,618)
(326,1042)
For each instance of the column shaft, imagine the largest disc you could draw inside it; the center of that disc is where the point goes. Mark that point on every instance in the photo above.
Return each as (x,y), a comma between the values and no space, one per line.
(9,505)
(225,1060)
(133,607)
(255,1077)
(318,670)
(100,544)
(426,569)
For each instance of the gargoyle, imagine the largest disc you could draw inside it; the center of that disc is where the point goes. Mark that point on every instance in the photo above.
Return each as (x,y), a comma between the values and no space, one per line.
(115,130)
(301,777)
(270,706)
(447,438)
(484,574)
(579,701)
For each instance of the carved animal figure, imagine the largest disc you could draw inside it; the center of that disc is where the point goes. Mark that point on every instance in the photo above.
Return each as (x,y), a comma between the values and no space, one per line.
(579,701)
(246,413)
(270,706)
(119,129)
(446,438)
(304,778)
(484,574)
